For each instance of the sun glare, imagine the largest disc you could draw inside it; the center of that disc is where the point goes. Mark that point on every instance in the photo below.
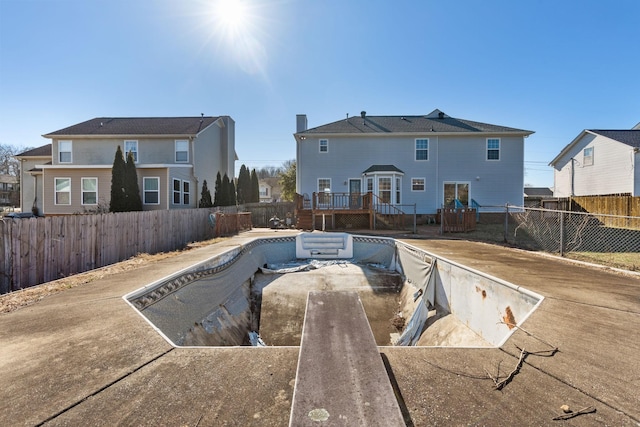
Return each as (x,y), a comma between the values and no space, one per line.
(232,15)
(237,28)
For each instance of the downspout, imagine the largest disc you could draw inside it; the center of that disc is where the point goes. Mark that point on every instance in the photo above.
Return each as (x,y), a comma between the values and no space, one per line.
(437,159)
(192,147)
(572,176)
(634,153)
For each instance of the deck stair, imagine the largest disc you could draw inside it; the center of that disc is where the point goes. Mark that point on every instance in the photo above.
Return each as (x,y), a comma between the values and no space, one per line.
(304,219)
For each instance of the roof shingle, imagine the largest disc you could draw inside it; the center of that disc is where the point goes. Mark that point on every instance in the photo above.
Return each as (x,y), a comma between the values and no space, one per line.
(628,137)
(44,151)
(408,124)
(137,126)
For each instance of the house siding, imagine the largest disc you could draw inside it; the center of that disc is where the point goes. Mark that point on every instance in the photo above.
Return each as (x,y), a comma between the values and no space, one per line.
(636,175)
(183,174)
(104,188)
(450,159)
(102,151)
(31,184)
(165,187)
(215,153)
(612,171)
(76,175)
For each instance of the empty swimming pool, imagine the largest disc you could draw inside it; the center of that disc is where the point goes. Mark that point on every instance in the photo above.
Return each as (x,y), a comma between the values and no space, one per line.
(411,297)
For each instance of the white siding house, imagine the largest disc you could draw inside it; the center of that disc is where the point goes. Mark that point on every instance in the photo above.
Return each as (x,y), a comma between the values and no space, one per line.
(429,160)
(597,163)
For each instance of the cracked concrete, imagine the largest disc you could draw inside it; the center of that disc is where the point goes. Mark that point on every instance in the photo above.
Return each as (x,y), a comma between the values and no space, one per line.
(84,357)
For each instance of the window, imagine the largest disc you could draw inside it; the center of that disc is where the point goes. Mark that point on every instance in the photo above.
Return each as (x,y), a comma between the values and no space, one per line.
(176,192)
(493,149)
(89,191)
(369,185)
(398,190)
(131,147)
(324,185)
(324,190)
(63,191)
(324,145)
(182,151)
(384,189)
(422,149)
(587,156)
(186,199)
(151,189)
(64,151)
(264,191)
(417,184)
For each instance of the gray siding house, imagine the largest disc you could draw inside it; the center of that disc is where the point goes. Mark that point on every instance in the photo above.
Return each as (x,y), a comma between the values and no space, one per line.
(173,156)
(429,160)
(598,163)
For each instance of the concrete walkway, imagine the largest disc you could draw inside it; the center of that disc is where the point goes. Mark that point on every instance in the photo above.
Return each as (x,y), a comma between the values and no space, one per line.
(83,357)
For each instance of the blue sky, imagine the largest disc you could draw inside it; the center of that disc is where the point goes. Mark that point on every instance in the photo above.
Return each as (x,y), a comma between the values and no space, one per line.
(553,67)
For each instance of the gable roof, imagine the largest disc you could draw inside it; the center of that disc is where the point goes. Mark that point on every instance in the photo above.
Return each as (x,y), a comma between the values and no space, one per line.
(628,137)
(44,151)
(436,121)
(160,126)
(538,192)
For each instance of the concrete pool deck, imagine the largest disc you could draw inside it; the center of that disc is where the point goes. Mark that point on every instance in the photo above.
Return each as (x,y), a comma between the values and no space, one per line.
(84,357)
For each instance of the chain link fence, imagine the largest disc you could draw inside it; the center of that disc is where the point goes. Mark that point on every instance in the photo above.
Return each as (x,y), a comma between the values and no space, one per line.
(566,232)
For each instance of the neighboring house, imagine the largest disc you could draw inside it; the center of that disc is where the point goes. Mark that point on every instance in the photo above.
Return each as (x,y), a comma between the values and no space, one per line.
(173,156)
(31,188)
(429,160)
(270,189)
(8,190)
(534,196)
(599,162)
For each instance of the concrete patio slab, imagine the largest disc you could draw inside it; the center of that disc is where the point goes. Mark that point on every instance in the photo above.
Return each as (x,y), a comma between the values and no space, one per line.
(84,357)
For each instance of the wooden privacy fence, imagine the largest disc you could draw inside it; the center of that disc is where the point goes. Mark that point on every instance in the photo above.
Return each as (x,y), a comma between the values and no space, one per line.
(227,224)
(38,250)
(624,206)
(261,213)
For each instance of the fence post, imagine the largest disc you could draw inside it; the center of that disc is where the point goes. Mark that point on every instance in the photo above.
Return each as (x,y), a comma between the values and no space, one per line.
(561,233)
(506,222)
(415,225)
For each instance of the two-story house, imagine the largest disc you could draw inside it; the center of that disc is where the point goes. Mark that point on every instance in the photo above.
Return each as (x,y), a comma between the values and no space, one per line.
(599,163)
(428,161)
(8,190)
(173,156)
(270,189)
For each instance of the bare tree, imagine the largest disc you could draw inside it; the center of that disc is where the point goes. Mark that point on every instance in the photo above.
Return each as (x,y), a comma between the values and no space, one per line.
(269,171)
(10,166)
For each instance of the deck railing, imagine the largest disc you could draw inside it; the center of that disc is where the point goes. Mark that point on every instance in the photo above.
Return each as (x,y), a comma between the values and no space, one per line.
(383,214)
(341,201)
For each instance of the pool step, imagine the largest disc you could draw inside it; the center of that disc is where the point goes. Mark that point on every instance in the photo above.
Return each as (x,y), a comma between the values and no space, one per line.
(341,378)
(324,245)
